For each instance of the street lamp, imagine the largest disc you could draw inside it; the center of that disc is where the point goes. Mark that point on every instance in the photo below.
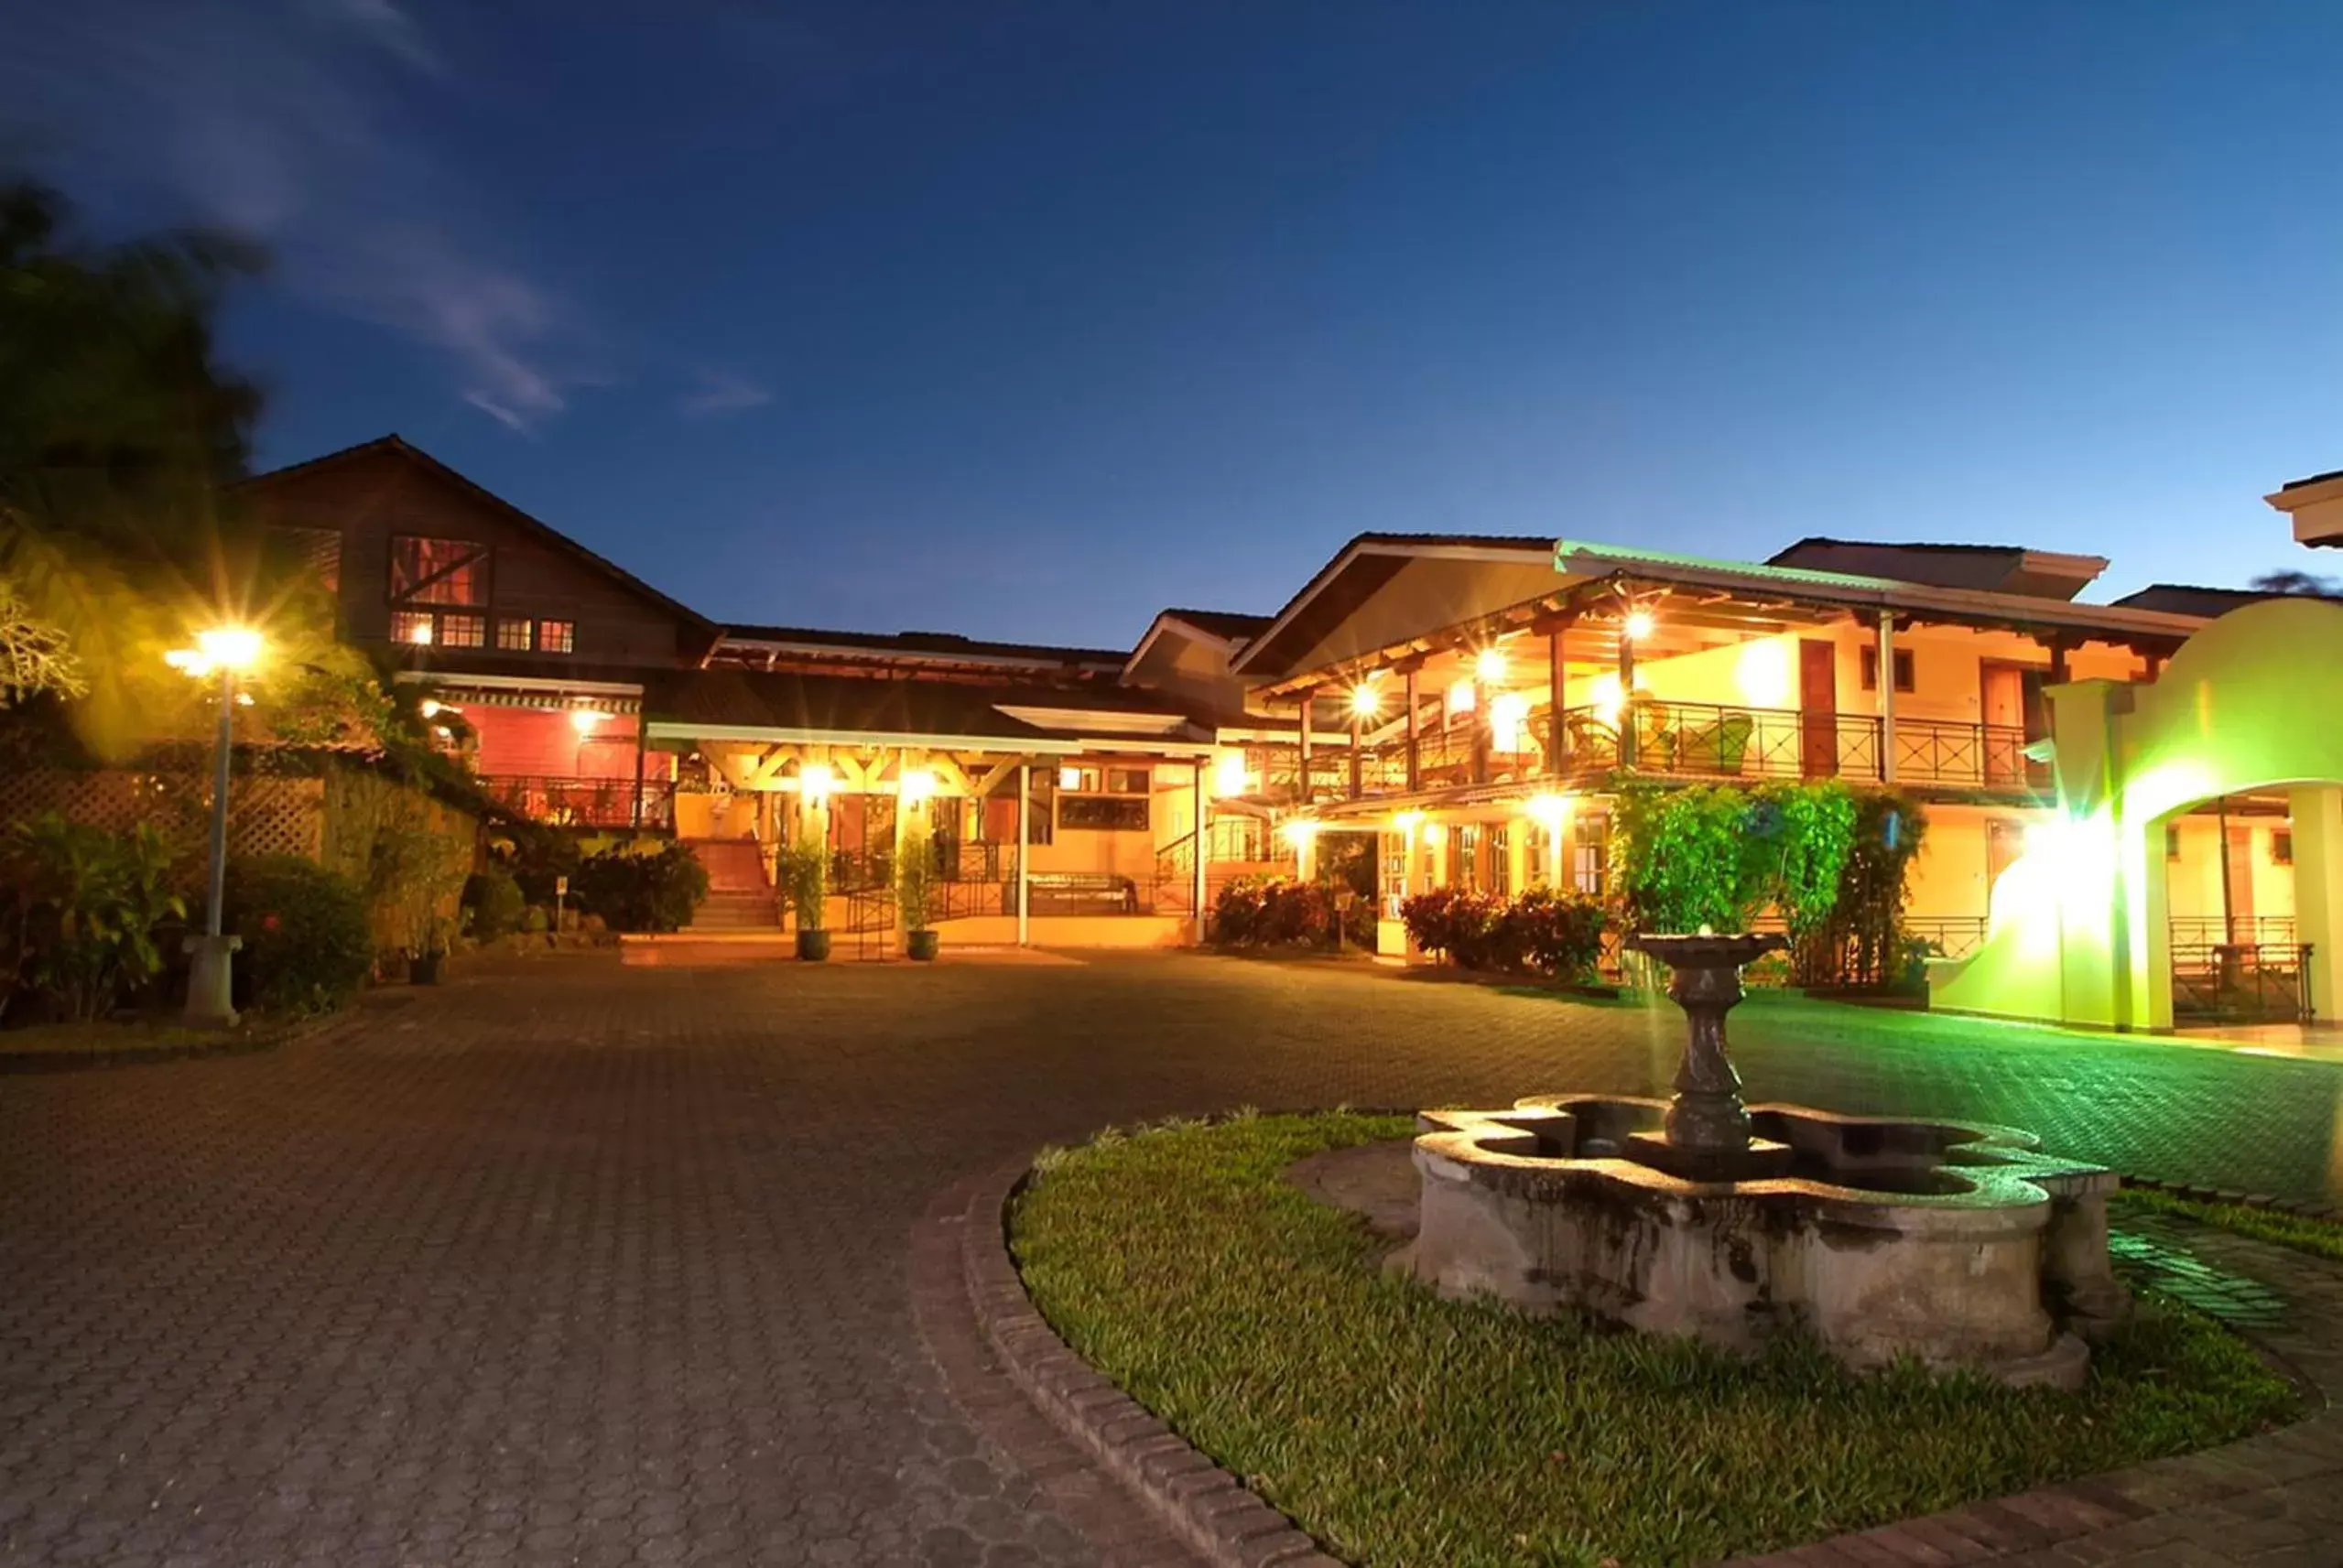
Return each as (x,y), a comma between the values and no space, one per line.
(225,651)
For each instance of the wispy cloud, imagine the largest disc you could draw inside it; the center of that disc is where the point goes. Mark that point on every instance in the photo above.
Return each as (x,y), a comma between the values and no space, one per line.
(718,392)
(282,118)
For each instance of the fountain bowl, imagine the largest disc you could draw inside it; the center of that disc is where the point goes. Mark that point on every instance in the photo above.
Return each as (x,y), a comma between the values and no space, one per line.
(1958,1245)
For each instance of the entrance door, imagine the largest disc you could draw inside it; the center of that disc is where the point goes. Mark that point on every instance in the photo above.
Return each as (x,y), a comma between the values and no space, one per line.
(1819,701)
(2002,706)
(2237,886)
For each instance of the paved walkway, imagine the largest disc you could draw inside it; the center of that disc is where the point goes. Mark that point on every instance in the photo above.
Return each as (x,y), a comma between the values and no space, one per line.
(584,1264)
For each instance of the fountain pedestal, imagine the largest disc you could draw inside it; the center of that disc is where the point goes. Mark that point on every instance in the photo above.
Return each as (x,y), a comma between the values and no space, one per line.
(1957,1245)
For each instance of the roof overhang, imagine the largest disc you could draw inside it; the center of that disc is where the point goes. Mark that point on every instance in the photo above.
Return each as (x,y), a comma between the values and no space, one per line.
(1388,554)
(781,735)
(2315,508)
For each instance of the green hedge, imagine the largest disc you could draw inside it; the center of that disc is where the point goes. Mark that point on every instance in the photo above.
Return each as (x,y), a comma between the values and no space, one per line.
(306,944)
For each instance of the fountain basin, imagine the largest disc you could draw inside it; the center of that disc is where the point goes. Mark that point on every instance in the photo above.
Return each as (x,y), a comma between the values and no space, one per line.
(1958,1245)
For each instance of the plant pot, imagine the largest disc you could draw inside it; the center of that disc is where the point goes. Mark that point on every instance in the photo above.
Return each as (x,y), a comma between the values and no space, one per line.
(921,945)
(423,968)
(813,946)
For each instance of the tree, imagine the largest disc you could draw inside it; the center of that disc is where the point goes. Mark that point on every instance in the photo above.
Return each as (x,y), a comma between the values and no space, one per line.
(35,656)
(119,432)
(2305,584)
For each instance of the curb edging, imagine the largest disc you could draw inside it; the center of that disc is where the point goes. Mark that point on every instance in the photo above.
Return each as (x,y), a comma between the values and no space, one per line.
(1206,1506)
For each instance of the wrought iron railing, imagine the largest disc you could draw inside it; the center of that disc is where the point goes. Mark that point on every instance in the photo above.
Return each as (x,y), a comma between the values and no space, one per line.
(1947,935)
(2191,931)
(584,802)
(2243,982)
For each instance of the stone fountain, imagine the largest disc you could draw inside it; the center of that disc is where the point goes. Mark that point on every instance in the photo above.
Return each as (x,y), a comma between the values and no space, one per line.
(1958,1245)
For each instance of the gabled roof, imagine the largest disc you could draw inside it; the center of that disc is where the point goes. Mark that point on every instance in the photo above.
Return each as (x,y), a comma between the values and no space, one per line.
(1228,625)
(727,701)
(396,446)
(2187,598)
(1357,570)
(944,646)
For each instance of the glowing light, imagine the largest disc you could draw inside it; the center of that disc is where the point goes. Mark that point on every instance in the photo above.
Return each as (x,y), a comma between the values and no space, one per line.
(230,647)
(1640,624)
(916,785)
(1298,832)
(243,699)
(1763,672)
(1606,698)
(187,660)
(1489,667)
(1462,697)
(814,782)
(1070,778)
(1407,822)
(429,708)
(1433,833)
(1549,810)
(585,720)
(420,634)
(1228,775)
(1508,718)
(1365,700)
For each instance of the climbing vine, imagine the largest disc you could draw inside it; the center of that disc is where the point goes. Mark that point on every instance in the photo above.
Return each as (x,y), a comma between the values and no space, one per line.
(1719,856)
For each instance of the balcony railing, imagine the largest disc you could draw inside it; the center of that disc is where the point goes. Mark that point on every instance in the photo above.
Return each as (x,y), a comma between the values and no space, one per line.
(1683,739)
(584,802)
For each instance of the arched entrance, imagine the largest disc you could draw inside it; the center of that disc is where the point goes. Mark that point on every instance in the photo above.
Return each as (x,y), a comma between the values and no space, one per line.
(2082,923)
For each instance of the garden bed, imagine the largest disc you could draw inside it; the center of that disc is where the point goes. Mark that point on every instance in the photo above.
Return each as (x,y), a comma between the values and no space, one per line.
(1399,1429)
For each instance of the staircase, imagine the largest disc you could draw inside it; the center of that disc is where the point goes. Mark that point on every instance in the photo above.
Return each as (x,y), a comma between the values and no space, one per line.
(739,898)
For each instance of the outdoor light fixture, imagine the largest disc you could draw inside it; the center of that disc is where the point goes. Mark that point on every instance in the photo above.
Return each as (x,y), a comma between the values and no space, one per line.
(420,634)
(1365,699)
(1461,698)
(1508,716)
(1489,667)
(225,650)
(916,785)
(1229,776)
(1070,778)
(585,720)
(429,708)
(1640,624)
(1300,831)
(1407,822)
(814,782)
(1548,809)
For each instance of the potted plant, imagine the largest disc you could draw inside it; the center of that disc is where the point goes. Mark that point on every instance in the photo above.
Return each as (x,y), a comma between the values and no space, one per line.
(915,886)
(805,879)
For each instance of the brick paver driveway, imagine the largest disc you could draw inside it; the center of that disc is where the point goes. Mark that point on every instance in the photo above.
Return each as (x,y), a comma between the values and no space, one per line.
(583,1264)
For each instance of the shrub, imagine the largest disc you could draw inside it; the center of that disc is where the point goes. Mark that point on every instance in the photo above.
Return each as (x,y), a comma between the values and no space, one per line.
(804,871)
(1542,932)
(493,903)
(915,889)
(83,907)
(630,890)
(1273,912)
(307,947)
(1557,933)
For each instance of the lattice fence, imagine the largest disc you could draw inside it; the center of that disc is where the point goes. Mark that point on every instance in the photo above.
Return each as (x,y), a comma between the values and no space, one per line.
(267,813)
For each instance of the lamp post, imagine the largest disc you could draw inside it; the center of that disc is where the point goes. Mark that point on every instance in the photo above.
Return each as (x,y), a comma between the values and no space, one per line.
(223,651)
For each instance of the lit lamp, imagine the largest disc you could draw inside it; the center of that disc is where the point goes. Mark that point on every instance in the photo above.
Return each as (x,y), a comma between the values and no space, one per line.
(916,785)
(1640,624)
(225,651)
(1489,667)
(585,722)
(1365,700)
(814,783)
(1228,775)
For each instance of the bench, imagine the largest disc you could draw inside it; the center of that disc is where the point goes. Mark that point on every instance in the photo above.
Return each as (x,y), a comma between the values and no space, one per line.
(1081,893)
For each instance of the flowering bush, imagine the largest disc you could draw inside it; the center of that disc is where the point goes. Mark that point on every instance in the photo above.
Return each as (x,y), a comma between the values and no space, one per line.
(1273,911)
(1542,932)
(307,947)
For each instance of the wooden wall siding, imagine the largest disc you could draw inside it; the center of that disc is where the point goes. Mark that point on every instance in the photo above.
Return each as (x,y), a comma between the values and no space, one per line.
(370,499)
(541,743)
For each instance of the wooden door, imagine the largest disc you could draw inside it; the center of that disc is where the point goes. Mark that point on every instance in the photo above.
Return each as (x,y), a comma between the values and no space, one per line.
(1818,702)
(2001,705)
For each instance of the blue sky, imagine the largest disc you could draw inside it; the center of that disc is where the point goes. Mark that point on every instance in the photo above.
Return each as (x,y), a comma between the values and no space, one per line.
(1027,320)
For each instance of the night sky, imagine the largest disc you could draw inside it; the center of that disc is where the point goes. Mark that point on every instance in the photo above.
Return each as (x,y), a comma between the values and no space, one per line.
(1027,320)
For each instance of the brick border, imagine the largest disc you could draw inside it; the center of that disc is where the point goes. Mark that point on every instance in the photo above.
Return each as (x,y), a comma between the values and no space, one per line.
(2226,1197)
(1205,1506)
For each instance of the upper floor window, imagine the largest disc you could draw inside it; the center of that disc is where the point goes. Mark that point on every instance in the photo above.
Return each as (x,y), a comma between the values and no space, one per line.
(413,626)
(515,636)
(464,630)
(438,571)
(557,636)
(317,550)
(1904,675)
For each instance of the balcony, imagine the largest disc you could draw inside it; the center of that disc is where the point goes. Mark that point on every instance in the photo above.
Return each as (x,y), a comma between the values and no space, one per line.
(1675,740)
(584,802)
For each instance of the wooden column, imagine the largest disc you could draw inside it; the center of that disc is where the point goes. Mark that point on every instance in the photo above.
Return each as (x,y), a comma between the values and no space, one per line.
(639,760)
(1415,722)
(1196,887)
(1886,656)
(1557,739)
(2059,649)
(1025,847)
(1309,700)
(1626,695)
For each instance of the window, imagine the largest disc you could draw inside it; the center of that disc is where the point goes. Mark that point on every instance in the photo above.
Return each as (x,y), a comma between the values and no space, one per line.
(464,630)
(411,626)
(1104,813)
(1590,856)
(1903,679)
(438,571)
(2282,847)
(557,636)
(515,636)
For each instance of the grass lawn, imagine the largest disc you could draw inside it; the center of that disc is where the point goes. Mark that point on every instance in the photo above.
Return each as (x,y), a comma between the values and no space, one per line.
(1399,1429)
(108,1039)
